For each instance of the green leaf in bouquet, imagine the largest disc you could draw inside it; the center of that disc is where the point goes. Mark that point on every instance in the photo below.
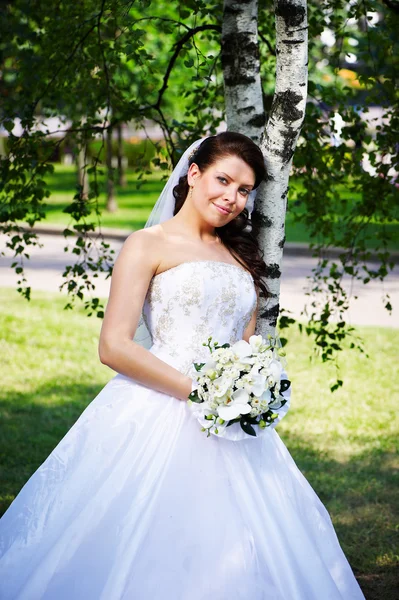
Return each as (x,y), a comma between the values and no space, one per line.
(198,366)
(252,420)
(247,427)
(194,396)
(233,421)
(284,385)
(227,345)
(267,416)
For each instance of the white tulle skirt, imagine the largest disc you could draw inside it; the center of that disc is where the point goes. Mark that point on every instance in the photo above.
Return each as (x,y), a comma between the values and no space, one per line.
(136,503)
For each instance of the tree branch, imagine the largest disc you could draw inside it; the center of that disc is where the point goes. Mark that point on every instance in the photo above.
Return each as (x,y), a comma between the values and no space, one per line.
(268,44)
(178,46)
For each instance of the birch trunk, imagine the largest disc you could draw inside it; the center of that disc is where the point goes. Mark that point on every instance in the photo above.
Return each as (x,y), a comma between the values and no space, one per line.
(83,179)
(278,145)
(277,142)
(111,200)
(121,171)
(241,68)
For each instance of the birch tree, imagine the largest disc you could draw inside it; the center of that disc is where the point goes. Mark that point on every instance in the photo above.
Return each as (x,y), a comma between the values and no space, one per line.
(278,137)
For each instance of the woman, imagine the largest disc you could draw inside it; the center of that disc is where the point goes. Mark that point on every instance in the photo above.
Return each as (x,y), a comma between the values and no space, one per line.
(136,502)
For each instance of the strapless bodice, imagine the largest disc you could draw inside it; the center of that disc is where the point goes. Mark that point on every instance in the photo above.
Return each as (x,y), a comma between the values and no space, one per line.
(192,301)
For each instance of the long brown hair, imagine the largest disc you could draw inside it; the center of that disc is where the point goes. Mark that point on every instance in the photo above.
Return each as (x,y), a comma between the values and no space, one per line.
(239,236)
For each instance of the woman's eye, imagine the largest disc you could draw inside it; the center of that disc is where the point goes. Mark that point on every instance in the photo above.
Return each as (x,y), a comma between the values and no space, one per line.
(244,191)
(222,179)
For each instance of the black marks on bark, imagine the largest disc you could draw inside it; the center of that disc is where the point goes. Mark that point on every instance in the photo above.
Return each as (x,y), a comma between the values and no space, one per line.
(260,219)
(292,41)
(239,79)
(258,120)
(287,150)
(271,314)
(285,106)
(245,110)
(273,271)
(285,193)
(292,14)
(281,243)
(240,59)
(236,8)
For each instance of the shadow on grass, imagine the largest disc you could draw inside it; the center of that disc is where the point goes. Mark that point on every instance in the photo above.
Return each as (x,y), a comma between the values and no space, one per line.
(360,494)
(30,430)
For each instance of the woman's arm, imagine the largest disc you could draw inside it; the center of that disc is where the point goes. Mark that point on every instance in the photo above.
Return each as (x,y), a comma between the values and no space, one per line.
(131,276)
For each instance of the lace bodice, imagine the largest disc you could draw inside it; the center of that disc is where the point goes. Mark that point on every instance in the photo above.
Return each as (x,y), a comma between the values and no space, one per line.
(192,301)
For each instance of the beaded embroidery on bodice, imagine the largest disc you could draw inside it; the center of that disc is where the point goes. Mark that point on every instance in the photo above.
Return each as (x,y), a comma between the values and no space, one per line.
(192,301)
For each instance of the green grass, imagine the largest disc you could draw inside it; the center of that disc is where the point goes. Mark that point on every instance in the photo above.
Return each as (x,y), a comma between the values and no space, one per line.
(345,443)
(134,205)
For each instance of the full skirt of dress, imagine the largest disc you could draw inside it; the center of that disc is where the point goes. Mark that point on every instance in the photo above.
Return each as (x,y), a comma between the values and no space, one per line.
(137,503)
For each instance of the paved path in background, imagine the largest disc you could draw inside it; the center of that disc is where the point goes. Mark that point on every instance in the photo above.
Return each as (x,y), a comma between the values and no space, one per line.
(44,272)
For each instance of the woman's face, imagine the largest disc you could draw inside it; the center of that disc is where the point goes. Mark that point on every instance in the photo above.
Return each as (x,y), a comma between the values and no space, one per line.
(221,191)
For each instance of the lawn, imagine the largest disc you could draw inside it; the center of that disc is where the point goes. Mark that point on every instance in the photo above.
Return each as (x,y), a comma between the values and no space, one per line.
(345,443)
(134,205)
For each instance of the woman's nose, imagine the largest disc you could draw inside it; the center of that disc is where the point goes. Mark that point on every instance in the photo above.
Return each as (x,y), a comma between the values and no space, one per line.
(230,194)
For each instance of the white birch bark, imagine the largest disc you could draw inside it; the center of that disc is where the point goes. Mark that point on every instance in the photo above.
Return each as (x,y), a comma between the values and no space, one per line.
(241,68)
(277,143)
(83,179)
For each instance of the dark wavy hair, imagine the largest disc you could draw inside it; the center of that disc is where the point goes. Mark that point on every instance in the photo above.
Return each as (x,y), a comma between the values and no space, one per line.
(239,235)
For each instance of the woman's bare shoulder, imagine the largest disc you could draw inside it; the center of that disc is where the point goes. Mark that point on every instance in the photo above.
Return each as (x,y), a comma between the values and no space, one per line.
(147,239)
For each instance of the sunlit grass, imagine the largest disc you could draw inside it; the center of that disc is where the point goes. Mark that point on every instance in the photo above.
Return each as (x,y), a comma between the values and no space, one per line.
(345,443)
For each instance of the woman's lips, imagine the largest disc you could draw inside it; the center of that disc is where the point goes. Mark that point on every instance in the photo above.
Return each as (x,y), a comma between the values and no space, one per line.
(224,211)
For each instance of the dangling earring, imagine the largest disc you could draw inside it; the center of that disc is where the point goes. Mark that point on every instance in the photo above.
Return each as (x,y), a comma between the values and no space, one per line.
(190,192)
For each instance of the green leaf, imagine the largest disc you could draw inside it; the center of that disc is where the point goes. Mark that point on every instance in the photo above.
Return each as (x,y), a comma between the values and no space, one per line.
(247,427)
(194,397)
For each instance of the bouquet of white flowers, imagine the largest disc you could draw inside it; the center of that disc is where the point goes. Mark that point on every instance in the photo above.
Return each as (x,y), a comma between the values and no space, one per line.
(241,390)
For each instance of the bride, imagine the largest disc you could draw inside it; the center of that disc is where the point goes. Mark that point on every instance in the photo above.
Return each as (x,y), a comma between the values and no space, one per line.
(136,502)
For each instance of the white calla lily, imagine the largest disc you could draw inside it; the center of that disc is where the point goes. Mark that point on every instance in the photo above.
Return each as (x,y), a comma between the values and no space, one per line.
(257,384)
(256,342)
(238,406)
(266,396)
(210,365)
(221,385)
(241,396)
(275,369)
(242,349)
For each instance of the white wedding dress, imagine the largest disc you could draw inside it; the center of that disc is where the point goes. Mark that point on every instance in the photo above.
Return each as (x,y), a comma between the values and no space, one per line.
(137,503)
